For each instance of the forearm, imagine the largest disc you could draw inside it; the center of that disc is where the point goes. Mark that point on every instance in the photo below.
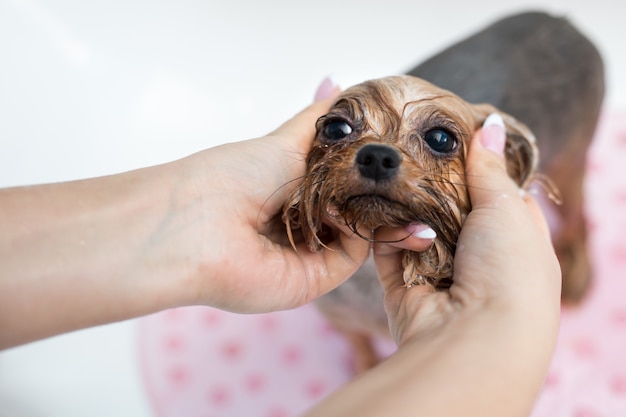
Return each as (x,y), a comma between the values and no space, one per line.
(72,254)
(478,367)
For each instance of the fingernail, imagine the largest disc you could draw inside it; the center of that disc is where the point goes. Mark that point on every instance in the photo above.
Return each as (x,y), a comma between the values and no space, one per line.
(325,89)
(421,231)
(493,135)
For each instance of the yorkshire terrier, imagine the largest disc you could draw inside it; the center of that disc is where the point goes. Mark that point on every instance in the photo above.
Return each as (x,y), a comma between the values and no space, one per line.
(391,152)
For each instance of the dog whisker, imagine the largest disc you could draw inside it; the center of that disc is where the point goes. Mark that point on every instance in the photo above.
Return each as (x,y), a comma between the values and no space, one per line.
(266,202)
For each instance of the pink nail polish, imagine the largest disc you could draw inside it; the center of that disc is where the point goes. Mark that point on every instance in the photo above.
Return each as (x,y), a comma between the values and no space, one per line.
(493,136)
(325,89)
(421,231)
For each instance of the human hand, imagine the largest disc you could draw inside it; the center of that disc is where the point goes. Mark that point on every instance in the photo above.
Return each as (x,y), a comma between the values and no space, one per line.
(504,262)
(200,230)
(236,192)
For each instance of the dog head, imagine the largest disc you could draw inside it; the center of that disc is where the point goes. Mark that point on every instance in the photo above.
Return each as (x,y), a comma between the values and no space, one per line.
(392,152)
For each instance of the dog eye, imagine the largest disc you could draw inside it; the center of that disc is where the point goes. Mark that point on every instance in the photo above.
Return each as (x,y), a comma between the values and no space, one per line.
(337,129)
(440,141)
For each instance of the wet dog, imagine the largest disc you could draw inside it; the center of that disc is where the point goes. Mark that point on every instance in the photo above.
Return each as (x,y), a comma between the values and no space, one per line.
(391,152)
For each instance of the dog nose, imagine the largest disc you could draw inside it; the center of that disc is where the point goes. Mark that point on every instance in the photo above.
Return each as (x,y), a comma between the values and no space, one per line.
(378,162)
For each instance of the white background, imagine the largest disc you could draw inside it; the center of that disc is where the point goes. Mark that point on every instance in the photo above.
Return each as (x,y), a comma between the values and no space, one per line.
(89,88)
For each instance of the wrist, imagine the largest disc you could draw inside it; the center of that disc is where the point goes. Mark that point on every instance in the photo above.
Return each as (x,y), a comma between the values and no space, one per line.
(480,356)
(189,251)
(474,363)
(173,253)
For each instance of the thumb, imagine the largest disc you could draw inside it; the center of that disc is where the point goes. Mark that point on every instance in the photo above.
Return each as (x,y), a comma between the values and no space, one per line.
(293,140)
(487,178)
(504,250)
(486,173)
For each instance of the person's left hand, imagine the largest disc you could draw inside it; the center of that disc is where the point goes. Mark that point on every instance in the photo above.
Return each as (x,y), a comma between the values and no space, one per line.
(224,215)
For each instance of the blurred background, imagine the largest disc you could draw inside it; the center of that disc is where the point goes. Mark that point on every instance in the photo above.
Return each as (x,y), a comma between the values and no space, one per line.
(94,88)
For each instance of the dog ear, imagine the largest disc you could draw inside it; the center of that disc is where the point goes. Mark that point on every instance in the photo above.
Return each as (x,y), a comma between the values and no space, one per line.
(521,153)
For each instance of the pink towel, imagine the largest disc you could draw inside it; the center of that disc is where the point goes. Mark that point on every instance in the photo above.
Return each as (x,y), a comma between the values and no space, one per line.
(202,362)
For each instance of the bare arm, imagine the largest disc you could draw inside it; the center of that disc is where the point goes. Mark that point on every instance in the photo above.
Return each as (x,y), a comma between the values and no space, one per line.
(70,253)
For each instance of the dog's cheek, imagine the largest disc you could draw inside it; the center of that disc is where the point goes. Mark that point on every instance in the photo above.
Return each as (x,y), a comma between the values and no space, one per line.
(296,218)
(291,218)
(521,158)
(300,212)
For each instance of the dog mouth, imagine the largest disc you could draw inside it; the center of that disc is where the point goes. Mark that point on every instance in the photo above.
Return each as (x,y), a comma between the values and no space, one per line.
(371,211)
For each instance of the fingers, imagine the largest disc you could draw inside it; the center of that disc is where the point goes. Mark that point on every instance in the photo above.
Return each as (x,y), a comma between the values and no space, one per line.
(325,270)
(388,256)
(328,88)
(301,127)
(487,178)
(343,257)
(389,269)
(388,259)
(388,245)
(288,146)
(512,231)
(488,182)
(415,237)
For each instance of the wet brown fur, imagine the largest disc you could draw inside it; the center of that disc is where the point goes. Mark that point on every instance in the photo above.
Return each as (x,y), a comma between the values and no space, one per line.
(429,188)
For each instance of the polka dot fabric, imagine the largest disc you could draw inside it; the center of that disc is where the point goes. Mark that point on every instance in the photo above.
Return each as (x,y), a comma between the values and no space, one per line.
(201,362)
(208,363)
(588,373)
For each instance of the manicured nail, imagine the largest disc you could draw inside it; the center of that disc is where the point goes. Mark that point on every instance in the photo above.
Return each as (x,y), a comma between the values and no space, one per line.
(421,231)
(325,89)
(493,135)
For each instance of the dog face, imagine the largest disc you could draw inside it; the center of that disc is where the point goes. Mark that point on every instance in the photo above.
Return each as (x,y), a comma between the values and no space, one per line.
(392,152)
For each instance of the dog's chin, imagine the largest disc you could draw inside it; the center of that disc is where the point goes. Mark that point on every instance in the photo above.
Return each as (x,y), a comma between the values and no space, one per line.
(370,211)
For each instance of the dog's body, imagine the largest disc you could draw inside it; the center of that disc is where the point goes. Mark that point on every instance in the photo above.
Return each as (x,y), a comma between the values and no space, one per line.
(392,152)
